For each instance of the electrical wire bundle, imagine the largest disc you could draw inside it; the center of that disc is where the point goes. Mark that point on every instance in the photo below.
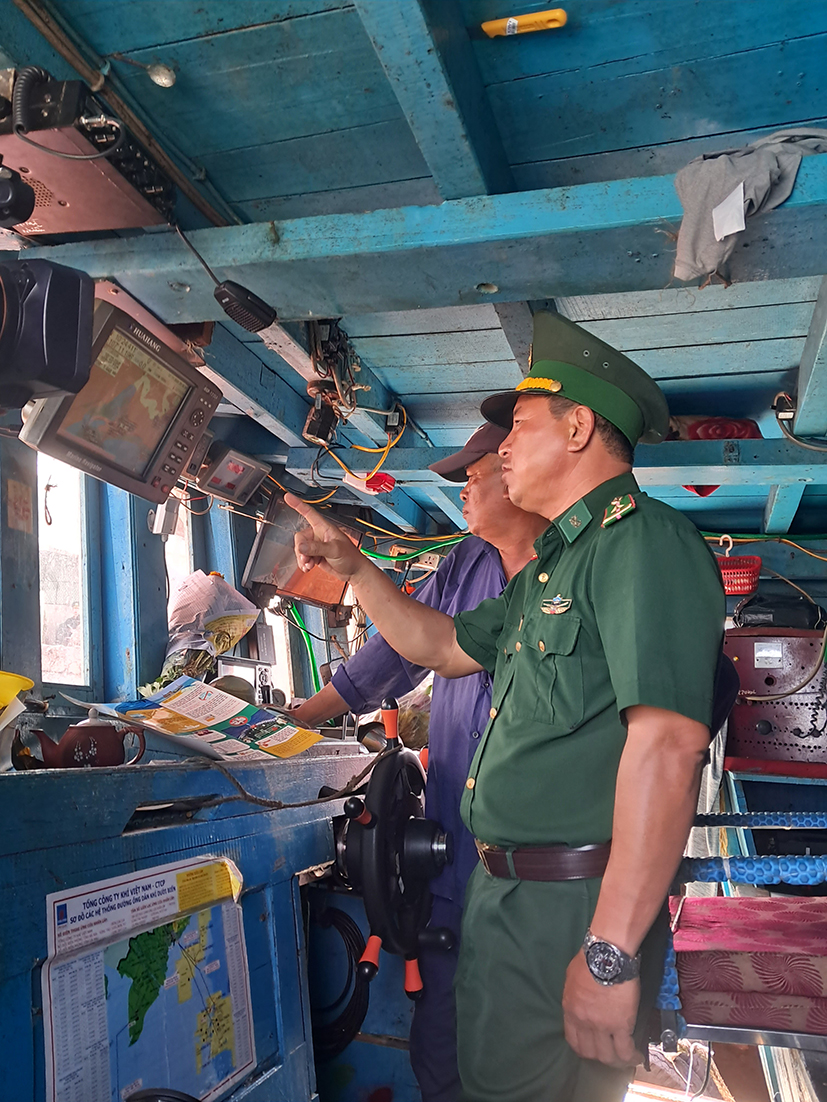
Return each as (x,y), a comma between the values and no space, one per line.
(332,1037)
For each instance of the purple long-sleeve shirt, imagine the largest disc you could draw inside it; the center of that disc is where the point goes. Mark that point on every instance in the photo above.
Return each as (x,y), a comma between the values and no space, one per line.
(471,573)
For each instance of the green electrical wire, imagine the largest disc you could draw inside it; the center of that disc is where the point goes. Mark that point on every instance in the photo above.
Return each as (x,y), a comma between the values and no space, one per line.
(413,554)
(314,669)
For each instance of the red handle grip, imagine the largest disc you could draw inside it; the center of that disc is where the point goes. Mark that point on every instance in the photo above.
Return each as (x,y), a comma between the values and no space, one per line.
(390,718)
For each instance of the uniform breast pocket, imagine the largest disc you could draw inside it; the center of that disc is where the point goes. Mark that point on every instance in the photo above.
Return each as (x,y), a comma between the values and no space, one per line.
(548,671)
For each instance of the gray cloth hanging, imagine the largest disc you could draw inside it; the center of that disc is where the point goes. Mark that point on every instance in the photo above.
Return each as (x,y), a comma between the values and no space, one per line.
(767,168)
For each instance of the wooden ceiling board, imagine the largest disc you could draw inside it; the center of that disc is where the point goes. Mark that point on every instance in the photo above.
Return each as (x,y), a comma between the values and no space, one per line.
(646,160)
(453,319)
(142,24)
(451,379)
(568,114)
(429,349)
(266,84)
(690,300)
(709,327)
(356,157)
(633,35)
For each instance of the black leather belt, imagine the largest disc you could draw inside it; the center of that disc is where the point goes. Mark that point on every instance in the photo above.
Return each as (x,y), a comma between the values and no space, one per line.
(546,863)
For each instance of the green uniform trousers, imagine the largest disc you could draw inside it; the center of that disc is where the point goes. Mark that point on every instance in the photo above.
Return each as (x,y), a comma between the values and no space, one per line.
(518,938)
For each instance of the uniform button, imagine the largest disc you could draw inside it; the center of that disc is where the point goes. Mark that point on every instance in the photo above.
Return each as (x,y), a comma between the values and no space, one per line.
(517,645)
(541,645)
(493,713)
(475,734)
(470,782)
(542,577)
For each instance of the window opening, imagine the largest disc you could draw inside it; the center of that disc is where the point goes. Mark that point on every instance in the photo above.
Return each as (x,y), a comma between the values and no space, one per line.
(178,552)
(64,582)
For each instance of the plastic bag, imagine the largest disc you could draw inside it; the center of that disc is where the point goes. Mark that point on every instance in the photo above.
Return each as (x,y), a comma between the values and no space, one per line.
(208,614)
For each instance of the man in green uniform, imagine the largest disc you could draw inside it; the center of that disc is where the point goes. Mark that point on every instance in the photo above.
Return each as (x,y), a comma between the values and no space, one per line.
(604,653)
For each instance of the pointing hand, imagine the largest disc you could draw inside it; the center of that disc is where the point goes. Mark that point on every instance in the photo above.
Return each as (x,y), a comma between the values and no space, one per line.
(323,542)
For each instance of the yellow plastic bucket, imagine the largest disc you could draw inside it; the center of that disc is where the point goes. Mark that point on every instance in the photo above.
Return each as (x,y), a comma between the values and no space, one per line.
(10,686)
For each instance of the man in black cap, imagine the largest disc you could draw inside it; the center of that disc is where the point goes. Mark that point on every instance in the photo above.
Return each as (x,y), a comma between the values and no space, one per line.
(500,544)
(585,783)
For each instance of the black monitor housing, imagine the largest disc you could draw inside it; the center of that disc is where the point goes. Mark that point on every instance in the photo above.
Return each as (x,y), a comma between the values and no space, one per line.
(139,418)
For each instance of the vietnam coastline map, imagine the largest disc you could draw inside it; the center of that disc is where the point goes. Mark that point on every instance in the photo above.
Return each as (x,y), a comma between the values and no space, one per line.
(161,1005)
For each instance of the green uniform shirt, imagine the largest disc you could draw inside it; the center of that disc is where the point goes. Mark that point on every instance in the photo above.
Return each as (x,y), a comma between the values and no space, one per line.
(604,618)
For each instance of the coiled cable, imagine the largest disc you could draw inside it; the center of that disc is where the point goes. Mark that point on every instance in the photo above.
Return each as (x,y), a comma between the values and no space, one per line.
(330,1039)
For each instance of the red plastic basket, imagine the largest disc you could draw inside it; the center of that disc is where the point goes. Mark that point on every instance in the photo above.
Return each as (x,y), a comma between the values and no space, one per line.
(740,573)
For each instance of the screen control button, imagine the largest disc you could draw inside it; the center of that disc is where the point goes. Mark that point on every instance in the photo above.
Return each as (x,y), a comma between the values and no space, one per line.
(169,470)
(156,481)
(197,417)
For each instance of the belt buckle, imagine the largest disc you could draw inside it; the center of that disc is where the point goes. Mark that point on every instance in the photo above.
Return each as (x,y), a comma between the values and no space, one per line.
(482,850)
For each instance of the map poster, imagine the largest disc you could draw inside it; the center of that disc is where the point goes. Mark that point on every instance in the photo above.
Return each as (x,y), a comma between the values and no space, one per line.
(146,985)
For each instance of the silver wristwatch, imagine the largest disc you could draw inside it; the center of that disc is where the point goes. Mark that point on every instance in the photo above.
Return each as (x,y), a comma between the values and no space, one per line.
(608,964)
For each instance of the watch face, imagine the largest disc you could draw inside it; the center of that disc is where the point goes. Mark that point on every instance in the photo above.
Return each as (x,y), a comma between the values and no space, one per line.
(603,961)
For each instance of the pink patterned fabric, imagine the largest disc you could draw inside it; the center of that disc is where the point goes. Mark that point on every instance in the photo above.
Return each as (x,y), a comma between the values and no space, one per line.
(759,963)
(752,925)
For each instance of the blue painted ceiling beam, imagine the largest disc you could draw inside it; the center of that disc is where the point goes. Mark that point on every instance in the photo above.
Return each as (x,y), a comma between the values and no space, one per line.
(811,417)
(428,58)
(675,463)
(254,388)
(782,505)
(588,239)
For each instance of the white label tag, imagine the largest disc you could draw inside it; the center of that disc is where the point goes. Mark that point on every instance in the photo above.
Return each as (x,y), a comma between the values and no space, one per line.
(728,216)
(511,26)
(769,656)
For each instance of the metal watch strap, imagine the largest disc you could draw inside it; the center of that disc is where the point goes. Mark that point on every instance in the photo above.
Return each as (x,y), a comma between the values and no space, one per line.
(629,967)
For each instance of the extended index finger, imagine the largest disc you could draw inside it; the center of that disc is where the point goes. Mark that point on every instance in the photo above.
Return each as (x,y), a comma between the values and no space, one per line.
(315,519)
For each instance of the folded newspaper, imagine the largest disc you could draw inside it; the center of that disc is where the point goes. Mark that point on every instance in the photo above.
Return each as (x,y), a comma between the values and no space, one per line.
(198,717)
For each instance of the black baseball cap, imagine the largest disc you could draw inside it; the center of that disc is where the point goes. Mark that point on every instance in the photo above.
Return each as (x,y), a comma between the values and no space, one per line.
(485,441)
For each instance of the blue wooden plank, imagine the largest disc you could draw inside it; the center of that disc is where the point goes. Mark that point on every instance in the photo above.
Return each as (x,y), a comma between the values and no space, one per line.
(674,463)
(451,410)
(456,319)
(24,46)
(660,103)
(418,350)
(133,600)
(712,360)
(255,388)
(707,327)
(636,33)
(109,26)
(443,497)
(582,239)
(353,158)
(353,200)
(690,300)
(438,85)
(452,379)
(811,417)
(266,84)
(782,505)
(641,160)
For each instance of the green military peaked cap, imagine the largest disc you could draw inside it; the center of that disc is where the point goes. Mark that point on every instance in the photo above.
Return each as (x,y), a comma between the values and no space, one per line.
(571,362)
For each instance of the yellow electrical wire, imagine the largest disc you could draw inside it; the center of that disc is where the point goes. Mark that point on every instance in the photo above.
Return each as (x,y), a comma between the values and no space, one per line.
(776,539)
(359,448)
(403,535)
(316,501)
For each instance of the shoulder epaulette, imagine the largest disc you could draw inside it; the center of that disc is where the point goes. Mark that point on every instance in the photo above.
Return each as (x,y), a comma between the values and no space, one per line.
(618,508)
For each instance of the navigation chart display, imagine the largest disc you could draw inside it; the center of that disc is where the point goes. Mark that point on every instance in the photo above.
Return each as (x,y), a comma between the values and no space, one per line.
(124,411)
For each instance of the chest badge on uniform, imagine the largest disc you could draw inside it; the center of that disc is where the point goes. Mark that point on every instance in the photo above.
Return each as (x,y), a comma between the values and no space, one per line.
(618,508)
(555,605)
